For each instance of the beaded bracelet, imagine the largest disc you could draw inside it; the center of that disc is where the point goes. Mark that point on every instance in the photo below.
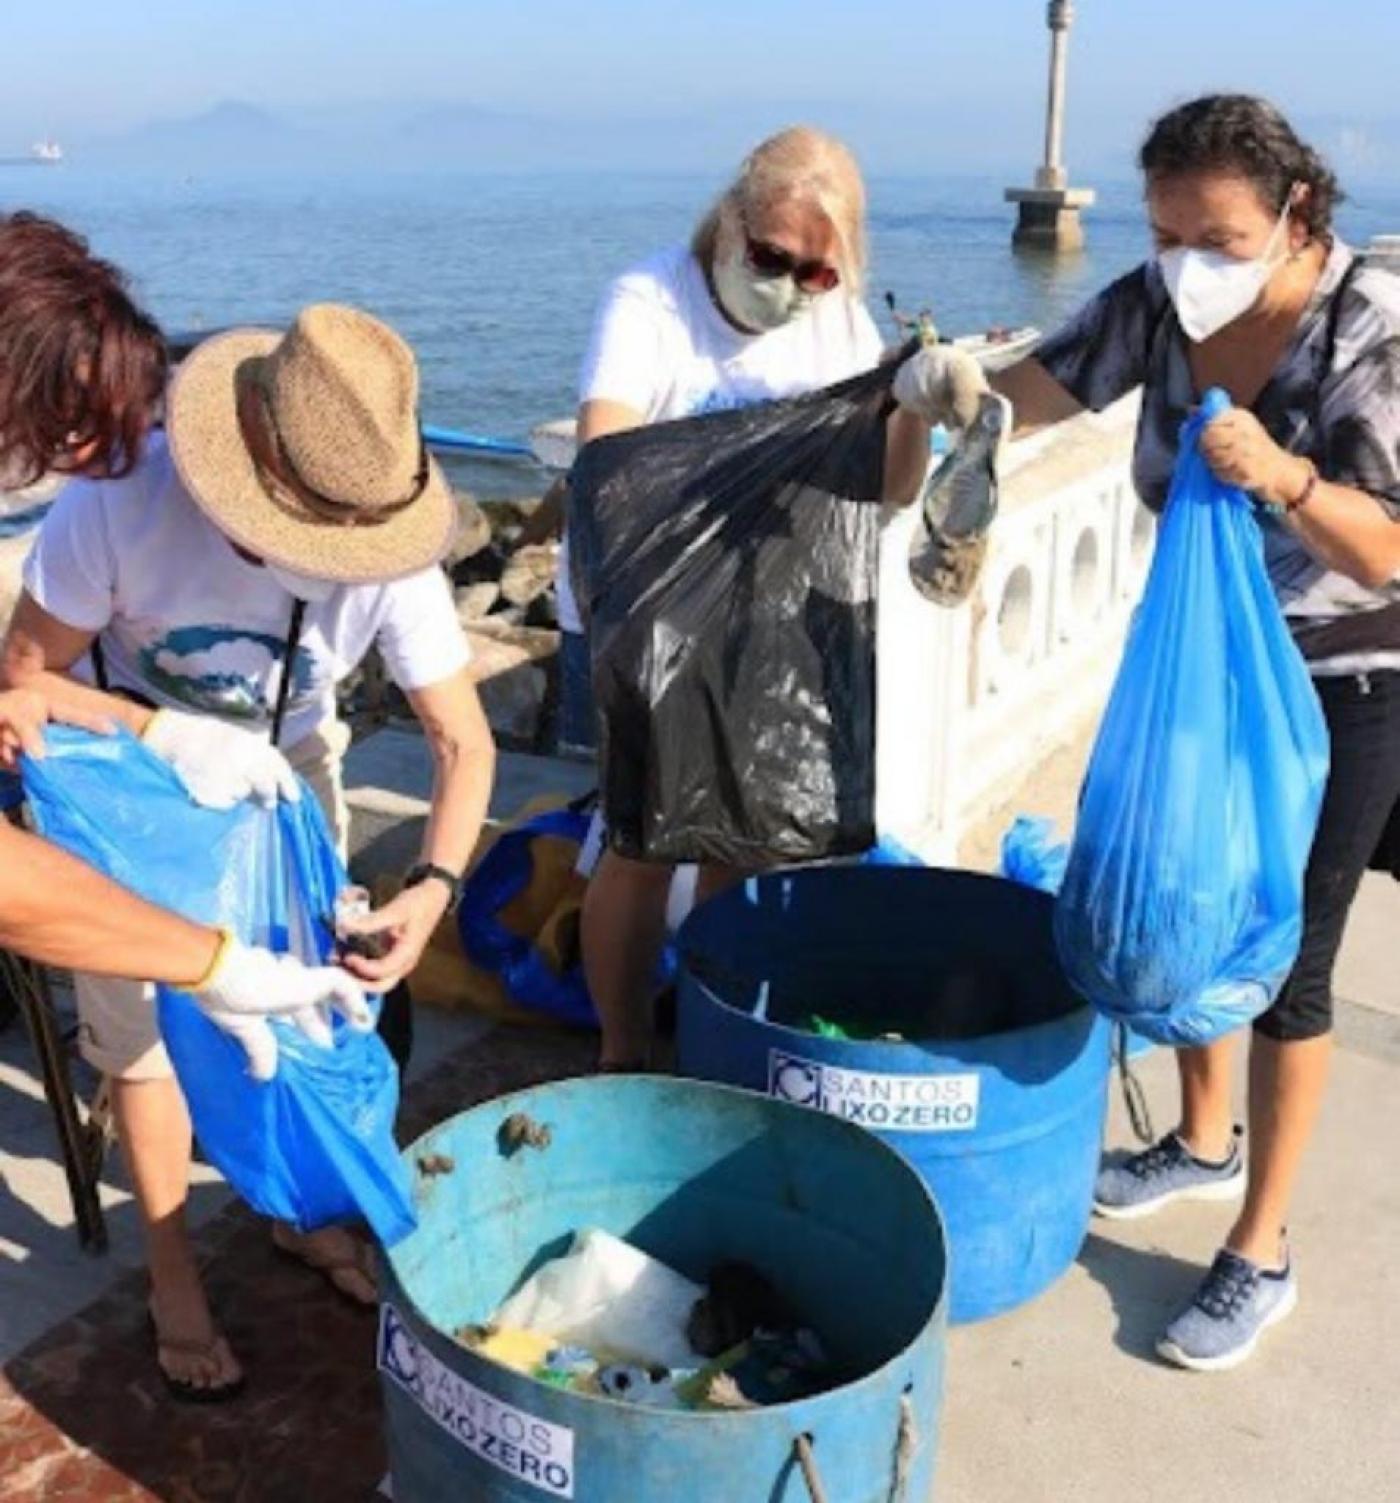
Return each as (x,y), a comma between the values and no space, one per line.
(1287,508)
(1305,495)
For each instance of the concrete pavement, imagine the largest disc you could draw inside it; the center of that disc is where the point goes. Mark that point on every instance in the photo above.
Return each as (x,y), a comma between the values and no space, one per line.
(1062,1401)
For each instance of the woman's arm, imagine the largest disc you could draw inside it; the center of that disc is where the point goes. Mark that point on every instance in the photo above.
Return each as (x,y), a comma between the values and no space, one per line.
(1345,528)
(1348,530)
(937,383)
(906,456)
(464,762)
(38,651)
(1037,398)
(598,418)
(57,911)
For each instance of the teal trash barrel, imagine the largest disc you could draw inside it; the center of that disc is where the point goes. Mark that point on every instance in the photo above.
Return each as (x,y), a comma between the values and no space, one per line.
(996,1089)
(693,1174)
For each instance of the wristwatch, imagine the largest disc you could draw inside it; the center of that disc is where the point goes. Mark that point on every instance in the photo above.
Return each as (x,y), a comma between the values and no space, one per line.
(424,870)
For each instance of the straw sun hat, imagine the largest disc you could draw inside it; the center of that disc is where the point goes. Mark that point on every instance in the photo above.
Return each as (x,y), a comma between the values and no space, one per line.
(304,448)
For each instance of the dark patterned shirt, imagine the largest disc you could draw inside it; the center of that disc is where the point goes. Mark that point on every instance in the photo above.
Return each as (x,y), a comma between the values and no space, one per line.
(1335,398)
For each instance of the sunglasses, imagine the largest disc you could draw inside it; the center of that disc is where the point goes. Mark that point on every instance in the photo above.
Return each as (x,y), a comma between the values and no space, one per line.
(770,260)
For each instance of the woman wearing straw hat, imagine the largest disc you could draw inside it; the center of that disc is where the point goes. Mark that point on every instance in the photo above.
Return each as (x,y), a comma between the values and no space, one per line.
(81,373)
(289,520)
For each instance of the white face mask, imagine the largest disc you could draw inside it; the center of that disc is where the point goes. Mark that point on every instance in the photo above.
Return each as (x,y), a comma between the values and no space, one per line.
(1210,289)
(755,302)
(300,587)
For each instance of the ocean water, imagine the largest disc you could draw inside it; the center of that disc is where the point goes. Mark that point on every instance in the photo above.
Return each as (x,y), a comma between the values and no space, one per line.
(494,279)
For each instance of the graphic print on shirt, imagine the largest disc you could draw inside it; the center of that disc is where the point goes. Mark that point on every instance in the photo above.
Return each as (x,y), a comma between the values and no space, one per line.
(225,670)
(726,399)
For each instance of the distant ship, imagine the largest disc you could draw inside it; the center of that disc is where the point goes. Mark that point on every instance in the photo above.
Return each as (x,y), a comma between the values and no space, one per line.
(46,153)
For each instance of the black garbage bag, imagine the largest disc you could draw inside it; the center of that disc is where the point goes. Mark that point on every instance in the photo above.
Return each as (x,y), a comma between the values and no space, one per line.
(726,566)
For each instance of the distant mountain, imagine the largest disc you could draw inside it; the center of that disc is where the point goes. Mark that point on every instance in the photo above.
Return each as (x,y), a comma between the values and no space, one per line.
(232,133)
(466,136)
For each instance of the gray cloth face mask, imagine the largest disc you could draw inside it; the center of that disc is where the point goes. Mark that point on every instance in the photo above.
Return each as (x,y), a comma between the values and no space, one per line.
(755,302)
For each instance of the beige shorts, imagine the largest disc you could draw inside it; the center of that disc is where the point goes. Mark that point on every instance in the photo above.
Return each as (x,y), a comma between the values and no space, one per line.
(117,1029)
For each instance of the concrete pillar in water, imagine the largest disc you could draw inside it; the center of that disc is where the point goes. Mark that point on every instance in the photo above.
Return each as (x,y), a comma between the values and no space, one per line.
(1048,214)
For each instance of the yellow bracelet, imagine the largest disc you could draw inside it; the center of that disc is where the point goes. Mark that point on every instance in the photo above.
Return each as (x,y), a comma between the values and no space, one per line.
(226,938)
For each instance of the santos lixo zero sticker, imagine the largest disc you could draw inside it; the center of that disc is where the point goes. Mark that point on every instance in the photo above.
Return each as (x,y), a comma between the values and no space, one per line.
(889,1103)
(512,1440)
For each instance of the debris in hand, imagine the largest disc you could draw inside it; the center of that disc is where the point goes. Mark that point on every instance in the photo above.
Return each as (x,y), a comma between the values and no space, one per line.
(959,504)
(352,907)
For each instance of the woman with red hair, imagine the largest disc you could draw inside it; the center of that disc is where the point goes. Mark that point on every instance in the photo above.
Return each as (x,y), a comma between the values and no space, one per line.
(82,379)
(82,368)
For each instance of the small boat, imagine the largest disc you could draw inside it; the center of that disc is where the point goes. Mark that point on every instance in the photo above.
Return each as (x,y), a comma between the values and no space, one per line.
(45,153)
(999,348)
(554,444)
(453,441)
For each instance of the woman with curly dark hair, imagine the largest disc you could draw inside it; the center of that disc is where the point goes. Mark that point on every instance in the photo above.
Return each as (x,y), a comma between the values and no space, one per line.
(82,380)
(82,368)
(1251,290)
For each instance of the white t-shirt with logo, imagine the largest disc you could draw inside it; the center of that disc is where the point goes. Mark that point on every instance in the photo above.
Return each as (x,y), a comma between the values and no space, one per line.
(186,622)
(661,347)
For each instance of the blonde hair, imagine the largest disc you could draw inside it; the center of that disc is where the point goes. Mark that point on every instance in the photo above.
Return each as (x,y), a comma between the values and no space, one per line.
(805,165)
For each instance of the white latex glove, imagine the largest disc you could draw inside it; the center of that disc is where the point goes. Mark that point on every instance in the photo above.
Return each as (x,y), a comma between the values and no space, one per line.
(221,764)
(941,384)
(248,986)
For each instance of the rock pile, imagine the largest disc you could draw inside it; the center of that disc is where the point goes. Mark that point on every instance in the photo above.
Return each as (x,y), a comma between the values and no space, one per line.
(504,585)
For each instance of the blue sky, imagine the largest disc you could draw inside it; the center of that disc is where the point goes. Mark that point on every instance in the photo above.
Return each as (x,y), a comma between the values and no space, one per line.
(925,80)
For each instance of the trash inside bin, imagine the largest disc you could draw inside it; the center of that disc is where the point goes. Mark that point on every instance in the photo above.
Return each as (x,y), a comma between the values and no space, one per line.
(994,1084)
(696,1176)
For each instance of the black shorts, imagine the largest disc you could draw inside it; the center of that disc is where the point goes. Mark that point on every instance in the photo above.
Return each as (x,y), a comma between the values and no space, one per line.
(1363,791)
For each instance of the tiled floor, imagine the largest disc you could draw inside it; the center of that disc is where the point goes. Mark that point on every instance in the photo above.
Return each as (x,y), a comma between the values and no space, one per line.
(84,1416)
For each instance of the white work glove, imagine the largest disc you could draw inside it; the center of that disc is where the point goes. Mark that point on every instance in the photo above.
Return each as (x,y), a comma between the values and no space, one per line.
(221,764)
(248,986)
(940,384)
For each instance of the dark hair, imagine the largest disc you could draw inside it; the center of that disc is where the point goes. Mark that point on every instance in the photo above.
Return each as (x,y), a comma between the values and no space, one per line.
(1240,134)
(80,363)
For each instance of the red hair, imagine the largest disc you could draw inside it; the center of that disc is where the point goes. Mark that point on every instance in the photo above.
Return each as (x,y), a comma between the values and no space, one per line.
(82,368)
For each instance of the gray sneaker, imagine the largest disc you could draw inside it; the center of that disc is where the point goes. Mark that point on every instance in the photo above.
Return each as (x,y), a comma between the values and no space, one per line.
(1167,1171)
(1235,1305)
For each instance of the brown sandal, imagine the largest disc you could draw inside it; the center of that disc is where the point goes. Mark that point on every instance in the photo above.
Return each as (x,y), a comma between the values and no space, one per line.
(181,1388)
(360,1262)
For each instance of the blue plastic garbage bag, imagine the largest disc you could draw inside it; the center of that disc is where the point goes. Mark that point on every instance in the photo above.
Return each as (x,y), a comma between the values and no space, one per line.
(887,851)
(1181,907)
(313,1146)
(501,875)
(1032,856)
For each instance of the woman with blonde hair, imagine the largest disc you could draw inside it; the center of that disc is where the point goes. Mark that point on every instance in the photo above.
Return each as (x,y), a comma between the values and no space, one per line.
(765,302)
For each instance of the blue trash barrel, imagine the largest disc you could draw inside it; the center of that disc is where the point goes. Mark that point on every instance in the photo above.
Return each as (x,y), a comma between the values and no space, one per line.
(694,1174)
(998,1090)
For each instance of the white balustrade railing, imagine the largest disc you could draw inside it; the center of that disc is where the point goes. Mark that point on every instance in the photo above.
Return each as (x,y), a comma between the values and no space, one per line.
(973,698)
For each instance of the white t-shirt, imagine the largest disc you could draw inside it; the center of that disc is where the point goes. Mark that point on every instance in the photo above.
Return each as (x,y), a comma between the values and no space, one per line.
(661,347)
(185,621)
